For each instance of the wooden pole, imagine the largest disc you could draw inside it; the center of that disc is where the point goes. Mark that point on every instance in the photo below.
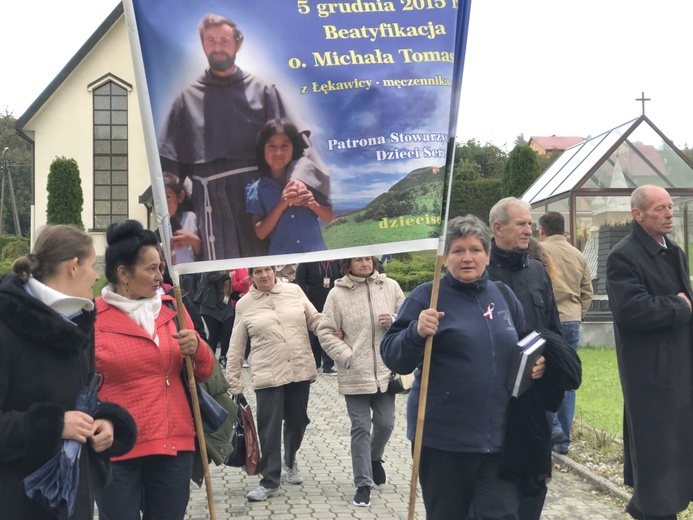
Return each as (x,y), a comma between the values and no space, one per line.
(421,415)
(196,408)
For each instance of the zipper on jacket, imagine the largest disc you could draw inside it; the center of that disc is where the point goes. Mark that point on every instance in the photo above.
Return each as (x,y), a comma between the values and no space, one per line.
(375,358)
(495,375)
(168,383)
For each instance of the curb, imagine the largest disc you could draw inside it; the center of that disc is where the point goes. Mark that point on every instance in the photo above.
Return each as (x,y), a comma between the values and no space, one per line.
(599,482)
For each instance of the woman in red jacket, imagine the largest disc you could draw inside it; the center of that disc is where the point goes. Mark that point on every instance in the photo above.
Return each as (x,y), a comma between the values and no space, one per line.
(140,352)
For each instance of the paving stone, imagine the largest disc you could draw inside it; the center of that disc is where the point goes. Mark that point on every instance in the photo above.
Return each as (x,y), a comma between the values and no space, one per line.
(328,488)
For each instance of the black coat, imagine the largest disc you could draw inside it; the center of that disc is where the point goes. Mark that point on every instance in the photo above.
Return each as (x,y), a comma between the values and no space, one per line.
(530,282)
(527,453)
(654,340)
(311,277)
(210,296)
(44,361)
(527,458)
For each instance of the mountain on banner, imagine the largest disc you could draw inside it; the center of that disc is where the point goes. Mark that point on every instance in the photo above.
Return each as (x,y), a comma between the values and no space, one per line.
(412,202)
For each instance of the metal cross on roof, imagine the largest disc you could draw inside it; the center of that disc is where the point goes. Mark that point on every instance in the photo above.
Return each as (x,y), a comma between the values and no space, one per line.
(643,99)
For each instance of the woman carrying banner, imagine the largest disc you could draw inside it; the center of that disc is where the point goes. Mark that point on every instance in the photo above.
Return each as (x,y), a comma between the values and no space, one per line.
(362,304)
(474,339)
(276,317)
(46,357)
(285,209)
(140,352)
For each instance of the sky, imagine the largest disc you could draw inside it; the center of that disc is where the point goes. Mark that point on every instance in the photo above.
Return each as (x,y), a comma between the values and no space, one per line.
(536,67)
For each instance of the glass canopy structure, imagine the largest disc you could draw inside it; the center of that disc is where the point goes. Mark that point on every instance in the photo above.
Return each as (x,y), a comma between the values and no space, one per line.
(591,183)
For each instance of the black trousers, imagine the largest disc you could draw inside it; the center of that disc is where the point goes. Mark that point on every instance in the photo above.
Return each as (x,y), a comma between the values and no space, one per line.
(280,407)
(158,485)
(218,331)
(451,481)
(321,357)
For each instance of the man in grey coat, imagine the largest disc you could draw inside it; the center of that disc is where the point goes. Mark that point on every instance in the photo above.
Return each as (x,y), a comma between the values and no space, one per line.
(650,295)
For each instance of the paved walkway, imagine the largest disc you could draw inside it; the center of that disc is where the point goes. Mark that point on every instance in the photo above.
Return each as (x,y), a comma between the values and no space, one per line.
(328,488)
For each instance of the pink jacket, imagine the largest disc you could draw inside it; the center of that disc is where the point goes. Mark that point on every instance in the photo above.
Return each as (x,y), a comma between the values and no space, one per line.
(146,379)
(240,283)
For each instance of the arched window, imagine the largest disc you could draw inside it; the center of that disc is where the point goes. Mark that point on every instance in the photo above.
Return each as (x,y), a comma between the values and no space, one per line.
(110,154)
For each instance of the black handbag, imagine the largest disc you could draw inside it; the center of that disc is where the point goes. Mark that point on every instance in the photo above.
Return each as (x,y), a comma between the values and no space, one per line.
(212,413)
(236,458)
(400,384)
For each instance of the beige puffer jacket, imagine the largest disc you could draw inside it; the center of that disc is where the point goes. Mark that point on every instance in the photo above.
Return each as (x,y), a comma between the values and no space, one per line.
(277,322)
(353,305)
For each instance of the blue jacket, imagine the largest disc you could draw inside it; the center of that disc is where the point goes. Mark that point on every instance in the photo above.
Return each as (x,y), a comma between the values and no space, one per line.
(472,355)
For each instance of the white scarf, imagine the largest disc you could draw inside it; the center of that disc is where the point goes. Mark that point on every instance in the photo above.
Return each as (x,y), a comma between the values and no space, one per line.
(61,303)
(144,312)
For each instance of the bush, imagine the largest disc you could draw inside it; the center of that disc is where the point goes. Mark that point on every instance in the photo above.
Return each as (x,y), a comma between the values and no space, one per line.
(6,266)
(412,269)
(15,248)
(6,239)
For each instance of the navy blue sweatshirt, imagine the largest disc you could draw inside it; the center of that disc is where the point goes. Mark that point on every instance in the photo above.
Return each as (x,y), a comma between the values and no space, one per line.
(472,355)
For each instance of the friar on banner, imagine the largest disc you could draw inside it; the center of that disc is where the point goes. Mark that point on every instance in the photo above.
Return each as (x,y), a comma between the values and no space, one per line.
(210,135)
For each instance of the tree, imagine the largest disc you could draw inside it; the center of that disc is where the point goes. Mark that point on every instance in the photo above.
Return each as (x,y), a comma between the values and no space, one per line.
(17,161)
(520,140)
(476,197)
(467,170)
(547,159)
(65,198)
(489,157)
(521,171)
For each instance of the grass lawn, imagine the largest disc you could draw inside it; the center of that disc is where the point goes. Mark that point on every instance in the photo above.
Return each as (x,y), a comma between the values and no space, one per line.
(599,399)
(99,285)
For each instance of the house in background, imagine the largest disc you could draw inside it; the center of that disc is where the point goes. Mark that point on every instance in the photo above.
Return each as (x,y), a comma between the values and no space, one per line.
(90,113)
(543,145)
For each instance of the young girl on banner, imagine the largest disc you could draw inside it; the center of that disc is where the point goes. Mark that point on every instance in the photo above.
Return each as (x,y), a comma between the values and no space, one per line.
(285,209)
(186,246)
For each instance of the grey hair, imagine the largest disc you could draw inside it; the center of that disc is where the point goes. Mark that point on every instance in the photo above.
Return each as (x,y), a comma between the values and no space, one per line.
(638,199)
(469,225)
(499,211)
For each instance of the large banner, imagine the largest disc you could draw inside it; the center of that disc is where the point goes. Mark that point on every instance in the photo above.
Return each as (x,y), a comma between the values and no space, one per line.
(298,129)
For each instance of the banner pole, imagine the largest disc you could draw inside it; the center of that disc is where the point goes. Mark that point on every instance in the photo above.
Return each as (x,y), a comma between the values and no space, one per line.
(164,225)
(460,49)
(425,371)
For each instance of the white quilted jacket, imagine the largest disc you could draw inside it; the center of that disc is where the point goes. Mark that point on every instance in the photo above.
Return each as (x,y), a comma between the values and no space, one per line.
(277,322)
(353,305)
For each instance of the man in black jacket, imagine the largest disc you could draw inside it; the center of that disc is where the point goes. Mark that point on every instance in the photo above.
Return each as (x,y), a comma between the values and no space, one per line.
(650,295)
(510,263)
